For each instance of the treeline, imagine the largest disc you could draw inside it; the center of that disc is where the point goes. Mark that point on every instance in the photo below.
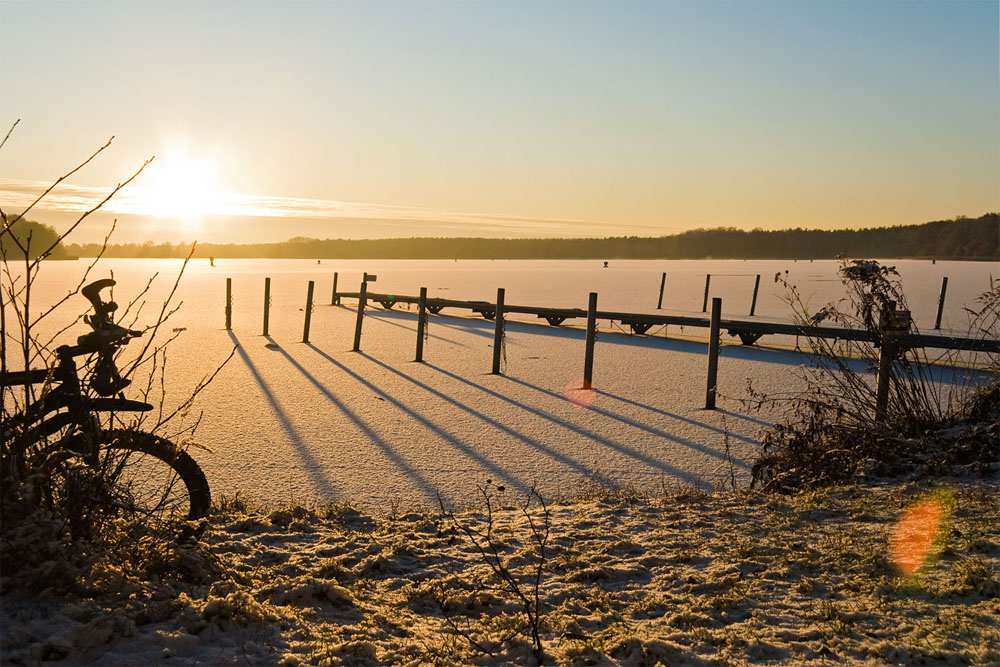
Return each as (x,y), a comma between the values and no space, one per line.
(20,234)
(962,238)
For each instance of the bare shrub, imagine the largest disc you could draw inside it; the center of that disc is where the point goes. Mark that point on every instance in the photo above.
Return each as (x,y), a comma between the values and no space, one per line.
(834,428)
(516,558)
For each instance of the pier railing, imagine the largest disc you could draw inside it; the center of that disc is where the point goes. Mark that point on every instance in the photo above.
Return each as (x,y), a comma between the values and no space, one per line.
(894,335)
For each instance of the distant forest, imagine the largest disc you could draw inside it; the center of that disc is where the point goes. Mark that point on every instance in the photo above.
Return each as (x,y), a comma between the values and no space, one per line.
(962,238)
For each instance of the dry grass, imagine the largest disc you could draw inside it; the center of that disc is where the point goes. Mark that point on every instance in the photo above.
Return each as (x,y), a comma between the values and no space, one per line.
(690,578)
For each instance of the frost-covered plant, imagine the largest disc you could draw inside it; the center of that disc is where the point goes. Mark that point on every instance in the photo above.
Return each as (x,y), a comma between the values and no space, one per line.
(517,573)
(834,427)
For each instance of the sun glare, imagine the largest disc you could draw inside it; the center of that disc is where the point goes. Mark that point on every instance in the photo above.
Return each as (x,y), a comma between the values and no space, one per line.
(183,186)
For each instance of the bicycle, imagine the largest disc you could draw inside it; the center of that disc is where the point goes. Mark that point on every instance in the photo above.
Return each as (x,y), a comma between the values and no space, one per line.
(68,413)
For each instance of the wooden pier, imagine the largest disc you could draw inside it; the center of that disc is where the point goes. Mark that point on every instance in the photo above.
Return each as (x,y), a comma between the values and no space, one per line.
(748,331)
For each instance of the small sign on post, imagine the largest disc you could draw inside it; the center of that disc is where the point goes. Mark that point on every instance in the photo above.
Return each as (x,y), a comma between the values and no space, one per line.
(362,298)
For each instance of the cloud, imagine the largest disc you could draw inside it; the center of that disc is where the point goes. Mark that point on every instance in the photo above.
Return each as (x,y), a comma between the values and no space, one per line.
(136,200)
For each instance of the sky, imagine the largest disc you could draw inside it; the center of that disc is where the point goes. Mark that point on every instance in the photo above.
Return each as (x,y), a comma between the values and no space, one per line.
(548,118)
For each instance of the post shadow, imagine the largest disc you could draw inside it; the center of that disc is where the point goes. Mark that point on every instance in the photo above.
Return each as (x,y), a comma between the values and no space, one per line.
(688,420)
(400,462)
(531,442)
(451,439)
(312,466)
(579,430)
(691,444)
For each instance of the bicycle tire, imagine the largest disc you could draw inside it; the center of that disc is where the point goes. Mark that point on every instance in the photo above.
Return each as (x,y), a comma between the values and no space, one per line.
(199,496)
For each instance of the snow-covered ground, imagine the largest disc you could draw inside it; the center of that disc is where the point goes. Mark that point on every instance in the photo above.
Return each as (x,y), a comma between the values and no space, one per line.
(291,422)
(674,579)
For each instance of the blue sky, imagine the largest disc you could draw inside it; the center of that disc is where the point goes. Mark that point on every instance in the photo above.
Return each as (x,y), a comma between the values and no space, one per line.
(572,117)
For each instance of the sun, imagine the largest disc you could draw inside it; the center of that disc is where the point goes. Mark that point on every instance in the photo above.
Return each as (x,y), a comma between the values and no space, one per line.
(182,186)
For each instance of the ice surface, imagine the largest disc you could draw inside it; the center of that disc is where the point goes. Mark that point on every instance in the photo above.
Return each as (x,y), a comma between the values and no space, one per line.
(287,421)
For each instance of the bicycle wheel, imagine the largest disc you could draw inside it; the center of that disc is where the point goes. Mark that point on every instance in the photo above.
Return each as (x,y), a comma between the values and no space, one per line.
(155,475)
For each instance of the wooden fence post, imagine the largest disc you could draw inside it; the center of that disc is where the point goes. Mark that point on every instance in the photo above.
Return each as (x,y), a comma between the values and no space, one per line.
(944,290)
(334,300)
(361,315)
(498,332)
(892,323)
(753,304)
(713,354)
(421,323)
(309,307)
(588,360)
(704,304)
(229,304)
(267,303)
(663,281)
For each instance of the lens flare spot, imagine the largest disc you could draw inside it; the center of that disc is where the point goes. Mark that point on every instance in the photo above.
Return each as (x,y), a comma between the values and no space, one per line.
(913,539)
(576,394)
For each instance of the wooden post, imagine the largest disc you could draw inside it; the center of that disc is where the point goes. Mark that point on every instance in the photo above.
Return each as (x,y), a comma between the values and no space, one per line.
(663,281)
(267,303)
(334,300)
(756,286)
(361,315)
(704,304)
(713,354)
(891,324)
(229,304)
(421,323)
(588,360)
(944,290)
(309,308)
(498,332)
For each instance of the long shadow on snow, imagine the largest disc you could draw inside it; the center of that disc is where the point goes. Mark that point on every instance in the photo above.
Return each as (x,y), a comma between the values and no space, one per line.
(361,424)
(311,465)
(601,440)
(531,442)
(444,435)
(625,420)
(686,420)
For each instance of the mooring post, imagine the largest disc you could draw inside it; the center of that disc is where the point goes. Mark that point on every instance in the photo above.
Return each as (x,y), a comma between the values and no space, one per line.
(753,303)
(944,289)
(892,323)
(713,354)
(498,332)
(267,303)
(704,304)
(588,360)
(334,300)
(421,323)
(663,281)
(362,298)
(229,304)
(309,309)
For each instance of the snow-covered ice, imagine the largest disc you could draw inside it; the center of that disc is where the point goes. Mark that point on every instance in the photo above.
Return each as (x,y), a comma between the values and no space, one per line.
(290,422)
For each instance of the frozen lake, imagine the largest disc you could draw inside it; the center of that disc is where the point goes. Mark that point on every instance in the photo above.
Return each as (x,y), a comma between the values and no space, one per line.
(291,421)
